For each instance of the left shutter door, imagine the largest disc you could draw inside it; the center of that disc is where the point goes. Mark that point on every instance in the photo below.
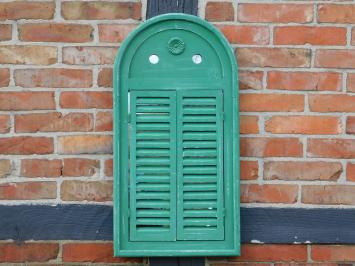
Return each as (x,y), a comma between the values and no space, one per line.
(153,166)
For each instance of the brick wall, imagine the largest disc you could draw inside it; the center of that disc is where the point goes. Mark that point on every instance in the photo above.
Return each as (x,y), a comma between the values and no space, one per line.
(297,101)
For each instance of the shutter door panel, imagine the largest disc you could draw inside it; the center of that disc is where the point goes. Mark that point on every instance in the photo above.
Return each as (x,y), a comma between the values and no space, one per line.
(153,166)
(199,165)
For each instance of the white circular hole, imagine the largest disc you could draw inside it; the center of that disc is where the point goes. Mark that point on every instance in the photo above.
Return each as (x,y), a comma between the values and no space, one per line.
(197,59)
(154,59)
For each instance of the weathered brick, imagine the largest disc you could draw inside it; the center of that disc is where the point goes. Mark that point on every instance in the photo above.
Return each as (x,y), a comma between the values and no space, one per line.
(54,122)
(87,99)
(85,144)
(335,58)
(98,191)
(304,81)
(28,54)
(301,124)
(253,193)
(5,124)
(328,194)
(93,252)
(28,252)
(115,33)
(30,100)
(331,148)
(350,125)
(249,124)
(5,168)
(332,103)
(26,145)
(336,253)
(41,168)
(101,10)
(273,57)
(80,167)
(301,35)
(275,13)
(271,147)
(219,11)
(350,82)
(26,10)
(291,171)
(105,78)
(246,34)
(5,32)
(336,13)
(89,55)
(55,32)
(4,77)
(350,172)
(104,121)
(54,78)
(28,191)
(249,170)
(109,167)
(259,102)
(250,80)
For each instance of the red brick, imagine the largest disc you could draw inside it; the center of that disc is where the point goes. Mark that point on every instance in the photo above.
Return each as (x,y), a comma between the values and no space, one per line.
(28,54)
(246,34)
(55,32)
(353,36)
(85,144)
(4,77)
(80,167)
(5,32)
(350,82)
(275,13)
(28,252)
(335,58)
(307,264)
(28,191)
(5,124)
(350,125)
(249,170)
(84,100)
(336,13)
(254,193)
(5,168)
(89,55)
(271,147)
(26,145)
(54,122)
(17,101)
(93,252)
(115,33)
(301,124)
(249,124)
(41,168)
(250,80)
(240,264)
(310,35)
(350,172)
(332,103)
(54,78)
(331,148)
(273,57)
(98,191)
(26,10)
(328,194)
(304,81)
(103,121)
(109,167)
(101,10)
(105,78)
(334,253)
(219,11)
(291,171)
(259,102)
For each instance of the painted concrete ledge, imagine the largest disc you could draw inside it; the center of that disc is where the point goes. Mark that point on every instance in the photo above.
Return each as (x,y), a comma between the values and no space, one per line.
(258,225)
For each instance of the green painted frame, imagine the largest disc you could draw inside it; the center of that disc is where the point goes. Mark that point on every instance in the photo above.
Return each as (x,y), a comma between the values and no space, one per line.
(230,246)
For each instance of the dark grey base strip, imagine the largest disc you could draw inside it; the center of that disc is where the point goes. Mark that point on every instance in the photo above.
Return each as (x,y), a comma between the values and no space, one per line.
(158,7)
(94,222)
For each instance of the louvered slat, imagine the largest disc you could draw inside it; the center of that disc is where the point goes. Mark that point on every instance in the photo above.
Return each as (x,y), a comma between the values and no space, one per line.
(199,165)
(153,166)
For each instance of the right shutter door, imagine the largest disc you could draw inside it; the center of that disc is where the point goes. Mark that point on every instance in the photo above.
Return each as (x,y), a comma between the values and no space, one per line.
(200,210)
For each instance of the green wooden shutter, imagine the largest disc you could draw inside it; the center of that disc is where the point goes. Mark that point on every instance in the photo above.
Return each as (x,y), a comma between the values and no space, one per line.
(153,166)
(200,165)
